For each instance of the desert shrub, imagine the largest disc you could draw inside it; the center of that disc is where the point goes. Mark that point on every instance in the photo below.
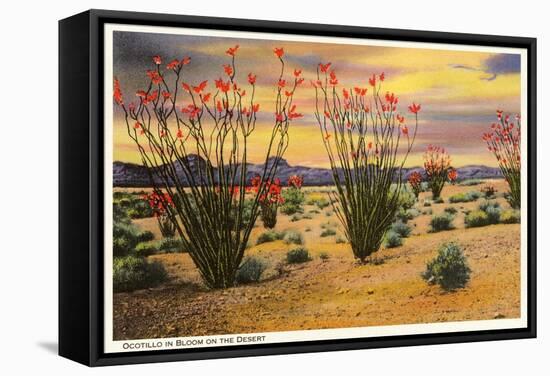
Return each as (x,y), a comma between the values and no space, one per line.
(307,216)
(132,204)
(146,236)
(406,215)
(307,229)
(488,213)
(476,218)
(132,273)
(465,197)
(439,200)
(293,201)
(510,216)
(406,198)
(293,237)
(270,236)
(314,211)
(146,249)
(441,222)
(393,239)
(403,215)
(427,203)
(298,256)
(486,205)
(295,218)
(250,270)
(125,238)
(328,213)
(324,256)
(450,210)
(492,209)
(340,240)
(401,229)
(328,232)
(170,245)
(449,268)
(470,182)
(489,191)
(321,203)
(120,214)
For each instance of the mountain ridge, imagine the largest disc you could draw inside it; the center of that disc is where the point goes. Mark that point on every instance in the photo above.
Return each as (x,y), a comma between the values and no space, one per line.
(127,174)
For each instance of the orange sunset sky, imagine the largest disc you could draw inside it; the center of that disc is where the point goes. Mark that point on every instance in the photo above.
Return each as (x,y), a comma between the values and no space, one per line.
(459,91)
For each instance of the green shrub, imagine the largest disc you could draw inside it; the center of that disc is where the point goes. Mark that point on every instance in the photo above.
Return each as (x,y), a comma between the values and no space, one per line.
(439,200)
(404,215)
(465,197)
(450,210)
(493,213)
(170,245)
(510,216)
(449,268)
(328,232)
(486,204)
(146,236)
(270,236)
(294,199)
(132,273)
(401,229)
(406,198)
(125,238)
(298,256)
(470,182)
(294,237)
(340,240)
(324,256)
(251,270)
(441,222)
(146,249)
(320,202)
(476,218)
(393,239)
(295,218)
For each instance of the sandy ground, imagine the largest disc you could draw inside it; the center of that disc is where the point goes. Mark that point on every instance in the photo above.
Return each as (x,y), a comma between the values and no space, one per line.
(337,292)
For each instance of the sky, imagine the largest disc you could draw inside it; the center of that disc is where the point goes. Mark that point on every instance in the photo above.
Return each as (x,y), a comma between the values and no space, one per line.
(459,90)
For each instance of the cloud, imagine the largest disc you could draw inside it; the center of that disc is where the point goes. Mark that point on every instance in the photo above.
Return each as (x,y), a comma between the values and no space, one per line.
(495,65)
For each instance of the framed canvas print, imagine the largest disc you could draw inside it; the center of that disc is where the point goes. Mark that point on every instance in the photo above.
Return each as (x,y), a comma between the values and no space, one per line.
(240,187)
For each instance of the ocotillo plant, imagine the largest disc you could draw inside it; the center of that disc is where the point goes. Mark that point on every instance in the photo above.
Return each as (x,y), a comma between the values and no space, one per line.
(437,164)
(269,200)
(157,202)
(293,196)
(415,181)
(195,143)
(504,141)
(362,136)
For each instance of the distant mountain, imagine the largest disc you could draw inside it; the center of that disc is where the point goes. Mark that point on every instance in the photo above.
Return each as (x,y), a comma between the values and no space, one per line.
(133,175)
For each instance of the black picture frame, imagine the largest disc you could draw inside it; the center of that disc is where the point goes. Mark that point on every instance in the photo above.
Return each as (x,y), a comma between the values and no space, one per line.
(80,163)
